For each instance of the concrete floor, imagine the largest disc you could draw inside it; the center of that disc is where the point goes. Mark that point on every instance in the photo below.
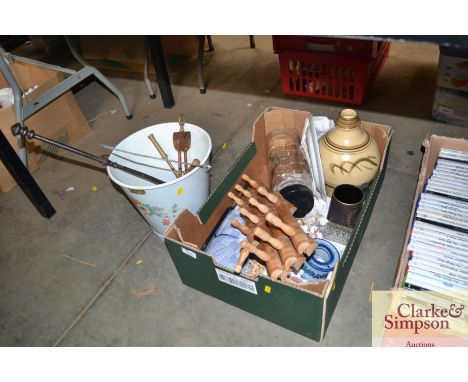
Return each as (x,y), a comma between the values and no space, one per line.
(47,298)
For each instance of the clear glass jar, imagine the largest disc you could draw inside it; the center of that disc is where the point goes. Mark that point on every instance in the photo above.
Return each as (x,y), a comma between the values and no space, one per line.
(290,173)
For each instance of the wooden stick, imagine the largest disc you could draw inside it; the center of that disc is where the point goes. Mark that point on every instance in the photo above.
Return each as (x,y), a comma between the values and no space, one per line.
(302,242)
(288,253)
(271,197)
(262,255)
(244,253)
(284,276)
(274,198)
(303,245)
(265,236)
(274,266)
(287,223)
(277,222)
(250,181)
(291,207)
(238,201)
(249,225)
(286,216)
(243,191)
(254,219)
(261,207)
(299,262)
(245,230)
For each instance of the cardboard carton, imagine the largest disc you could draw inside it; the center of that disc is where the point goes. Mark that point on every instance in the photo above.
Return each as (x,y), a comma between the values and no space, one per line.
(61,120)
(451,95)
(432,145)
(126,53)
(306,310)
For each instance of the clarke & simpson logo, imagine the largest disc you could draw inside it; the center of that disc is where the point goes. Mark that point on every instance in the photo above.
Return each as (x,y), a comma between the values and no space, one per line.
(419,318)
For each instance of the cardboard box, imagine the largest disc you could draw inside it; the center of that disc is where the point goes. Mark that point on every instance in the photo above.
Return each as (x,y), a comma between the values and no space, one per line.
(432,145)
(451,95)
(450,106)
(453,72)
(126,53)
(306,311)
(61,120)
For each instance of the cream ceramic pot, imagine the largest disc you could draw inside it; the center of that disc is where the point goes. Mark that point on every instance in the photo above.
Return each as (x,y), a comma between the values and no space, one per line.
(349,154)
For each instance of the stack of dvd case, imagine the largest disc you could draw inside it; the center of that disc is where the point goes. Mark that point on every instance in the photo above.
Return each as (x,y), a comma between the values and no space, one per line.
(438,244)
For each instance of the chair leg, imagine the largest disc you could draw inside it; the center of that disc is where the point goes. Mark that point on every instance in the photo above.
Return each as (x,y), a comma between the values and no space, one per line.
(114,89)
(252,41)
(210,43)
(149,87)
(201,51)
(101,78)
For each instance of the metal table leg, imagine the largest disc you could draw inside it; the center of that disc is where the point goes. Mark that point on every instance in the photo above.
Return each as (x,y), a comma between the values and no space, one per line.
(252,41)
(159,62)
(24,179)
(201,53)
(210,43)
(146,77)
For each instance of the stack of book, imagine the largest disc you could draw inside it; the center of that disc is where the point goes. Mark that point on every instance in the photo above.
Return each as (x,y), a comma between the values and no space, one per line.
(438,244)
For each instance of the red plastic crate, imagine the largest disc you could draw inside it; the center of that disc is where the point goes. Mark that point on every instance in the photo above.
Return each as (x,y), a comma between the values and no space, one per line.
(347,46)
(328,76)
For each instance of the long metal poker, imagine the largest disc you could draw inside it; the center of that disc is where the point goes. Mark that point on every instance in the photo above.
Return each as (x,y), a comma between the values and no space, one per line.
(206,167)
(17,129)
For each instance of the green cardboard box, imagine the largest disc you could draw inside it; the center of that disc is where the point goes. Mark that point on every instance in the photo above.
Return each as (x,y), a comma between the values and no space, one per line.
(304,310)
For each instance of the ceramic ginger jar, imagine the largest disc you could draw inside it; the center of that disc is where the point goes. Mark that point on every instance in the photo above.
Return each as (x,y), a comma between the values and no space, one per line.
(349,154)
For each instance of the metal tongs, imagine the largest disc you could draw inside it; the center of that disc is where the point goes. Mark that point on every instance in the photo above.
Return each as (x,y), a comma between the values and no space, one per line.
(195,163)
(23,131)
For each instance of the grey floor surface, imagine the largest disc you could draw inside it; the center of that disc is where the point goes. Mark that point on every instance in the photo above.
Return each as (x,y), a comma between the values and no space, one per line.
(47,298)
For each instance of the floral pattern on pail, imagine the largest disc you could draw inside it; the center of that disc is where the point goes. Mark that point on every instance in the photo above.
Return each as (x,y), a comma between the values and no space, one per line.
(149,210)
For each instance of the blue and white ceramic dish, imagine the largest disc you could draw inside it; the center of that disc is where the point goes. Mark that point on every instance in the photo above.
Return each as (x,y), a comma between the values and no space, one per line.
(321,263)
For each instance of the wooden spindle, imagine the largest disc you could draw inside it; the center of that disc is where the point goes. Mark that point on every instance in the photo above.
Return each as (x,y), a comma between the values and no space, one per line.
(273,197)
(286,216)
(288,253)
(238,201)
(264,192)
(262,255)
(254,219)
(250,181)
(277,222)
(284,276)
(261,207)
(301,241)
(299,262)
(243,191)
(304,244)
(244,253)
(274,266)
(282,201)
(236,224)
(265,236)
